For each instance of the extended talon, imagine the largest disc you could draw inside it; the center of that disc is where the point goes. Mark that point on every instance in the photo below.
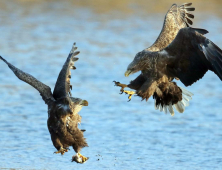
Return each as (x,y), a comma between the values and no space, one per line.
(120,85)
(62,151)
(130,93)
(79,158)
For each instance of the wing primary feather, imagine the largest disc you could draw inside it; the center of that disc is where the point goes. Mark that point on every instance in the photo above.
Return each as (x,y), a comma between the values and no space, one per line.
(201,31)
(213,54)
(190,15)
(44,90)
(62,87)
(189,21)
(186,4)
(190,8)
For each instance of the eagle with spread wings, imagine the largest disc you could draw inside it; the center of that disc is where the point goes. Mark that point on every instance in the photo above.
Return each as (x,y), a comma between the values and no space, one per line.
(180,52)
(63,117)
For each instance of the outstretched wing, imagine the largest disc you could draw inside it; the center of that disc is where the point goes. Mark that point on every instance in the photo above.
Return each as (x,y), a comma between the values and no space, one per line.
(44,90)
(176,18)
(63,86)
(191,55)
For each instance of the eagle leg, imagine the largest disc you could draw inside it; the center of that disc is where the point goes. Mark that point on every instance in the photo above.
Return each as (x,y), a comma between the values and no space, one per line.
(120,85)
(62,150)
(79,158)
(130,93)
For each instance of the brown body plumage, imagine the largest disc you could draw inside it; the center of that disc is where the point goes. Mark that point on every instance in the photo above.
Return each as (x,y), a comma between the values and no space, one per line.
(181,53)
(63,117)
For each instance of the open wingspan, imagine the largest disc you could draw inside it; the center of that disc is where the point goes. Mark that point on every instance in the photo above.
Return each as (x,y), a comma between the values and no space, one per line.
(63,86)
(44,90)
(176,18)
(191,55)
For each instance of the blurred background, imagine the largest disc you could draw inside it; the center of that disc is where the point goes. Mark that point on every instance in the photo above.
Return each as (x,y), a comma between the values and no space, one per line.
(37,35)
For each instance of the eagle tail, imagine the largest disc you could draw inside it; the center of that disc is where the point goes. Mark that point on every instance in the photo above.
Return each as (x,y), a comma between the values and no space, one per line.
(186,97)
(179,106)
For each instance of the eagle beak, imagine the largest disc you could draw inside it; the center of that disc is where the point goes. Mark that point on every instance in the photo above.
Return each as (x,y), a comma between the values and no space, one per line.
(84,103)
(128,72)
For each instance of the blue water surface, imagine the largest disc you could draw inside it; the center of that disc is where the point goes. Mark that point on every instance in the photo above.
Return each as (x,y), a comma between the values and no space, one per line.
(121,135)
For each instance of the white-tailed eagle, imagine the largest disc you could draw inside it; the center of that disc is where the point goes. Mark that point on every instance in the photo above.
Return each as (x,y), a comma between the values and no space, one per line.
(63,117)
(180,52)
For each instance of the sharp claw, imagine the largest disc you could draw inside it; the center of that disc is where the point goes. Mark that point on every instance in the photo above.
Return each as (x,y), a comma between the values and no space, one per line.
(130,93)
(116,83)
(129,98)
(120,85)
(62,150)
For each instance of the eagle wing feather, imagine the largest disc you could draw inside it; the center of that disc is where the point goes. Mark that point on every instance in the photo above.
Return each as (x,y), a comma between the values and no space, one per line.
(44,90)
(176,18)
(63,87)
(191,55)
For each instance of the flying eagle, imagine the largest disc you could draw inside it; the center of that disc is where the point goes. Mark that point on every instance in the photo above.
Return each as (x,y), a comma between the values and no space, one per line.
(63,117)
(180,52)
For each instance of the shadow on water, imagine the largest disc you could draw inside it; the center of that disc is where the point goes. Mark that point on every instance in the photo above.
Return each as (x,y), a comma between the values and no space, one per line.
(36,36)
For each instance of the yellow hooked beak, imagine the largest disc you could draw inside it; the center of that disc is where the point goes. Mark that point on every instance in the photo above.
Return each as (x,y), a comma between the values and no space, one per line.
(127,73)
(84,103)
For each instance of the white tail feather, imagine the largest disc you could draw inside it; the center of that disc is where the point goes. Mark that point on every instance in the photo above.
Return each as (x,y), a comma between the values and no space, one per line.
(186,92)
(165,109)
(156,106)
(179,106)
(161,108)
(170,107)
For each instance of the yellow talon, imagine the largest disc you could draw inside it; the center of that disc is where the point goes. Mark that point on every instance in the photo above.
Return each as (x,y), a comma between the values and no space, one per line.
(120,85)
(84,159)
(79,158)
(130,93)
(62,151)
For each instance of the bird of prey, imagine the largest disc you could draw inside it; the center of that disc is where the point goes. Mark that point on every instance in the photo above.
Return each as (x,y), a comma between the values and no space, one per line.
(63,117)
(180,52)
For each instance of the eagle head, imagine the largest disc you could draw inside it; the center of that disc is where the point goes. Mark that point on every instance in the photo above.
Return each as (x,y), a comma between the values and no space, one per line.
(137,64)
(80,102)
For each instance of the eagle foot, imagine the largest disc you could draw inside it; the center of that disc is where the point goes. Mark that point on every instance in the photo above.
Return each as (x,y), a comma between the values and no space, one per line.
(78,158)
(130,93)
(120,85)
(62,150)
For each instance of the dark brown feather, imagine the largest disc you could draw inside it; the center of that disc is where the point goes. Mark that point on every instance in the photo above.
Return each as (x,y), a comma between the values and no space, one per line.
(190,15)
(63,117)
(194,56)
(62,87)
(44,90)
(137,83)
(164,91)
(190,9)
(170,93)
